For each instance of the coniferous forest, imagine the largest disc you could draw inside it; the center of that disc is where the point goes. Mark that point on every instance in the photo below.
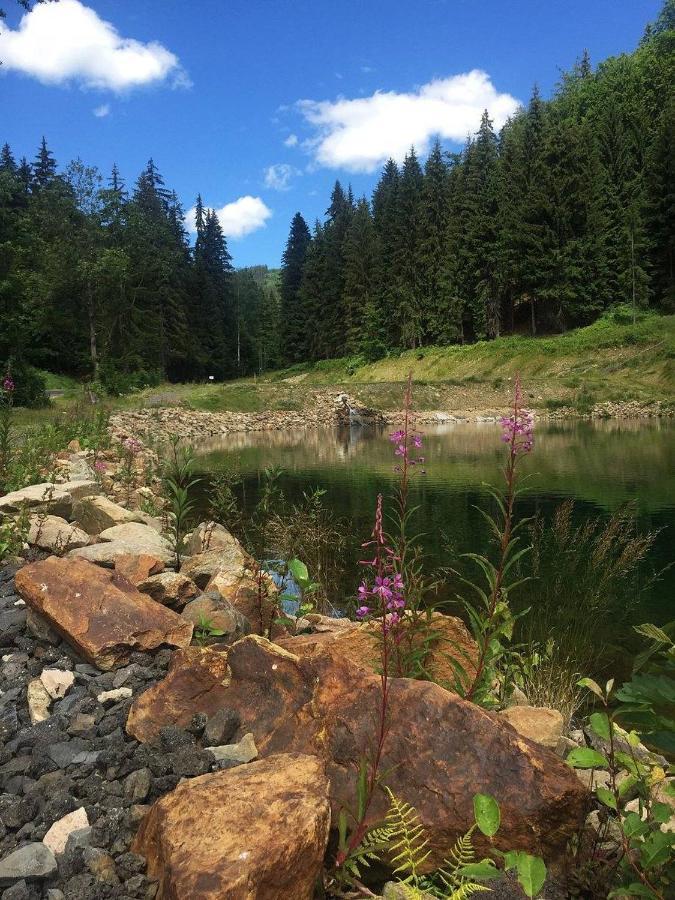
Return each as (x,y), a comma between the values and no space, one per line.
(538,228)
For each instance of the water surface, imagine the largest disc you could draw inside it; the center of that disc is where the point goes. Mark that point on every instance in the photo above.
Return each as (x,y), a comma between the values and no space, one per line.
(600,465)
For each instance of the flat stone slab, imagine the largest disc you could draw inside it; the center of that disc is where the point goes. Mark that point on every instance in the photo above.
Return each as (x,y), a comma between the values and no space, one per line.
(45,497)
(33,862)
(102,615)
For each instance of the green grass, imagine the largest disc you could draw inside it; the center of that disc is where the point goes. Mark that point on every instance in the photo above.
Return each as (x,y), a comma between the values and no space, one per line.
(610,360)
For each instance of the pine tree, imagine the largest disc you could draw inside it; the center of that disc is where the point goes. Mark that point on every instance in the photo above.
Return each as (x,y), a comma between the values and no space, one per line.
(407,254)
(440,320)
(363,318)
(7,163)
(312,296)
(44,167)
(384,206)
(293,318)
(479,257)
(329,322)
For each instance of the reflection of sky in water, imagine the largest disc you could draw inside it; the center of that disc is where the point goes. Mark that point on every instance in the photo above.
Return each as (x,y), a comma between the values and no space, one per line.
(601,465)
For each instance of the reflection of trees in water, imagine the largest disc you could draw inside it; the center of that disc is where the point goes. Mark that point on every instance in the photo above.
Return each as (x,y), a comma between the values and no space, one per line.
(606,462)
(600,465)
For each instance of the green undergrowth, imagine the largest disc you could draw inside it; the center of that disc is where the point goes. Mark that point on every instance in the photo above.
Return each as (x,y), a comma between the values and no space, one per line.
(612,360)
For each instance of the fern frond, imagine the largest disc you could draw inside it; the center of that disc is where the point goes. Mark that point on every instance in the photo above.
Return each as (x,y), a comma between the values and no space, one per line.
(467,889)
(408,839)
(462,854)
(410,892)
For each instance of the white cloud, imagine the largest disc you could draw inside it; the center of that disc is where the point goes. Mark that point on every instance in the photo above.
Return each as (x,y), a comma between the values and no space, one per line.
(102,111)
(278,177)
(291,140)
(239,218)
(68,42)
(361,134)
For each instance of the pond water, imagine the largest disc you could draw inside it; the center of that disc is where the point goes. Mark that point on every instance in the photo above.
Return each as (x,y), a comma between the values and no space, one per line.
(601,466)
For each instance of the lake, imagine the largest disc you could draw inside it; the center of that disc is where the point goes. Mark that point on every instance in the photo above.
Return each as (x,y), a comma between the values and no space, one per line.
(600,465)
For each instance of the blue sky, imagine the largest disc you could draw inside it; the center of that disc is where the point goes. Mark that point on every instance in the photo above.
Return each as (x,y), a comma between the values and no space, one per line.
(260,106)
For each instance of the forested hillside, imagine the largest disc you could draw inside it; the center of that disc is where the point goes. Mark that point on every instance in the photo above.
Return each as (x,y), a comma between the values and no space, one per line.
(569,209)
(99,281)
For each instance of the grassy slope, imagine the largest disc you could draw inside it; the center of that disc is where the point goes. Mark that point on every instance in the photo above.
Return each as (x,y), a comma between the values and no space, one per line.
(608,360)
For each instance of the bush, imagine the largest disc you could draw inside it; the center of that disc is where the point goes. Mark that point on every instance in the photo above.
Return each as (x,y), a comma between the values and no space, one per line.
(29,385)
(116,383)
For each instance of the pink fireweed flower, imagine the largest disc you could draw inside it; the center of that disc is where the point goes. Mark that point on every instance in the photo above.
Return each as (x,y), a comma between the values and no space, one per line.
(518,428)
(131,445)
(100,466)
(417,441)
(362,612)
(8,384)
(396,436)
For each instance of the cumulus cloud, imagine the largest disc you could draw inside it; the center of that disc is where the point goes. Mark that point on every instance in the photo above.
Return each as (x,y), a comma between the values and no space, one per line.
(102,111)
(291,140)
(360,134)
(239,218)
(66,42)
(278,177)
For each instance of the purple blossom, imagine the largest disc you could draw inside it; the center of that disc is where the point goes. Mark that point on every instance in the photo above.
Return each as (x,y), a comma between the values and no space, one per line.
(132,446)
(8,384)
(100,466)
(362,612)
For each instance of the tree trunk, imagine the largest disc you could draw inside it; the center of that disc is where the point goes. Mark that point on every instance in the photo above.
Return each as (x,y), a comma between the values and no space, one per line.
(93,350)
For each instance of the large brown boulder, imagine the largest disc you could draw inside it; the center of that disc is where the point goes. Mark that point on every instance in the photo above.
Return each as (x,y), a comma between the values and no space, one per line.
(450,643)
(440,750)
(195,683)
(221,616)
(231,559)
(98,612)
(169,588)
(257,832)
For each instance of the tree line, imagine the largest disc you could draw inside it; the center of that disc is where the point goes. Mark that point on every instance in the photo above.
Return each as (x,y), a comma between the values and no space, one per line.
(101,283)
(569,209)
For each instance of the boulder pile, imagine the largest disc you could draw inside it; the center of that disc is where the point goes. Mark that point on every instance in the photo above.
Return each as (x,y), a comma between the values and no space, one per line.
(151,740)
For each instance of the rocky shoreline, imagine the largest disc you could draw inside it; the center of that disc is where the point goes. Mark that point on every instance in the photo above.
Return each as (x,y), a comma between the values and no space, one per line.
(152,740)
(329,409)
(121,713)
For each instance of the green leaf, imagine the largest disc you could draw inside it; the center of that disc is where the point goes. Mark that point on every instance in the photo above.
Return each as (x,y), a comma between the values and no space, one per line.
(634,826)
(531,873)
(661,812)
(586,758)
(600,724)
(298,570)
(656,849)
(485,870)
(627,784)
(652,632)
(606,796)
(486,811)
(342,830)
(592,686)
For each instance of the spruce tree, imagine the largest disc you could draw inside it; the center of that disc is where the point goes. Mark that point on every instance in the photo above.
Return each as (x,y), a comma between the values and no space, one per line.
(384,206)
(363,319)
(293,318)
(7,163)
(407,254)
(44,167)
